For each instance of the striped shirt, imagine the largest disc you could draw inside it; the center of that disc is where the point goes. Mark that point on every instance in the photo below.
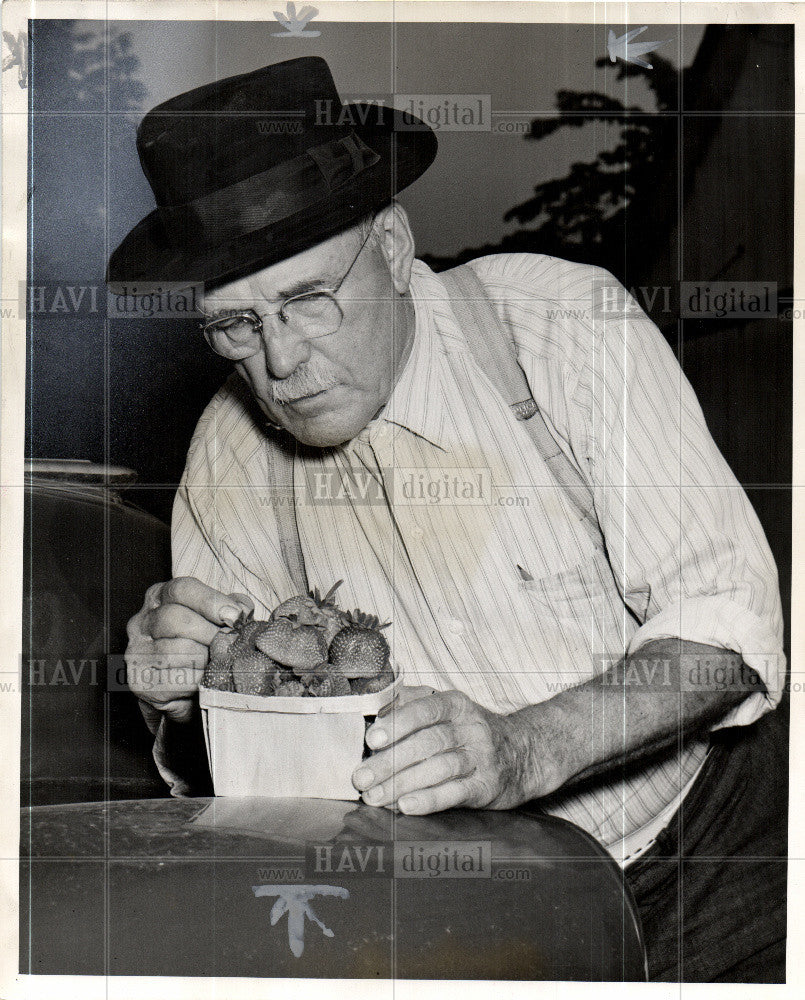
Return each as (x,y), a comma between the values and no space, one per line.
(441,517)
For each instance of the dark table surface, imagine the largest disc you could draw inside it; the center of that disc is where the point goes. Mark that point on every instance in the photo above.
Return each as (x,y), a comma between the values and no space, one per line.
(315,888)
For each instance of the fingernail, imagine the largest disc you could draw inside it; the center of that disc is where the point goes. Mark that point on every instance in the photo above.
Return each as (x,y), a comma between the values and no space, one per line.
(408,803)
(363,776)
(229,614)
(377,738)
(373,794)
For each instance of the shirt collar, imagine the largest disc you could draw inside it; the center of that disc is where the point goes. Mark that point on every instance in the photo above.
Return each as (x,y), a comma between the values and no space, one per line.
(417,402)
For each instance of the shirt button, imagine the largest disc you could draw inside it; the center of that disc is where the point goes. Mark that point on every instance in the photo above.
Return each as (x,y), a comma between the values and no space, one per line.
(417,532)
(455,626)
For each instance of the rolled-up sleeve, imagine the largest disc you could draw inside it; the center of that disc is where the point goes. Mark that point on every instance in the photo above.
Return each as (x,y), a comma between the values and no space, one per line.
(685,545)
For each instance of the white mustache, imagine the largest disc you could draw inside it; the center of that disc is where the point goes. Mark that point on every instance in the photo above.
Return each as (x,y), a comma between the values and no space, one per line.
(303,381)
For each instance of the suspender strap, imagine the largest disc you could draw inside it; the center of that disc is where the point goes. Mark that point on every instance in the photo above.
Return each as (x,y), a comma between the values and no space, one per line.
(280,475)
(491,345)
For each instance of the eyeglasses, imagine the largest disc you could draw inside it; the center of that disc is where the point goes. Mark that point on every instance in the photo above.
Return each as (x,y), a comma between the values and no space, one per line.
(238,335)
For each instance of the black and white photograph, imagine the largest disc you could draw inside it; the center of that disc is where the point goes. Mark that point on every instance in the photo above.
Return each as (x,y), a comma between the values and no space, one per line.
(398,495)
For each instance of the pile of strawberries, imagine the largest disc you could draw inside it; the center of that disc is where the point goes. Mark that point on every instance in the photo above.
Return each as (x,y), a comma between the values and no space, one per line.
(309,647)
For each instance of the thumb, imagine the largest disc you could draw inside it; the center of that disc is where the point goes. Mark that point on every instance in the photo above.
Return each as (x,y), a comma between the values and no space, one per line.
(244,600)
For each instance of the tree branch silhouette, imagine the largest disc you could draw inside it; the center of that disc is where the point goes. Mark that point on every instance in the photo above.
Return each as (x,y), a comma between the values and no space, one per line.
(584,214)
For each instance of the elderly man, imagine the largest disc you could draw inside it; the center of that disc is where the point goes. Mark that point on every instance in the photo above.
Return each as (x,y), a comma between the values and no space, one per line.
(599,659)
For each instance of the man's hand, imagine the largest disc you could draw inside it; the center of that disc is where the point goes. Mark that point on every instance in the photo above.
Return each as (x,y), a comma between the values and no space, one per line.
(440,750)
(169,640)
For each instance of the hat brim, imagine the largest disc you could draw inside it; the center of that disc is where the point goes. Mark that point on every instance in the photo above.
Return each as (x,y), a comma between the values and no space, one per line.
(406,147)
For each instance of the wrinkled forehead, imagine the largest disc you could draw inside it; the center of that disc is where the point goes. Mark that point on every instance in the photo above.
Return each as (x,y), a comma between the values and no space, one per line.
(318,267)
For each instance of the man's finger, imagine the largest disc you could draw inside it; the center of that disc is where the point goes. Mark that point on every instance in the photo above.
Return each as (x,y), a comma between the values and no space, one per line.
(406,693)
(167,654)
(243,599)
(167,670)
(182,649)
(404,719)
(177,621)
(151,715)
(158,691)
(222,609)
(424,775)
(420,746)
(181,710)
(450,795)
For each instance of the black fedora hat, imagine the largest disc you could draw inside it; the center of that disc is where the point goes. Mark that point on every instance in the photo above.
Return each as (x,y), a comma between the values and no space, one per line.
(253,169)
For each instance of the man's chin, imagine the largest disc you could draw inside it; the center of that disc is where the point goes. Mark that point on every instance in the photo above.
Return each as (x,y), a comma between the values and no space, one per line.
(324,429)
(315,438)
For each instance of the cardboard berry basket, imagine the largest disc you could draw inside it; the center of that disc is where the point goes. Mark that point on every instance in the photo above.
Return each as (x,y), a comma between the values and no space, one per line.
(287,747)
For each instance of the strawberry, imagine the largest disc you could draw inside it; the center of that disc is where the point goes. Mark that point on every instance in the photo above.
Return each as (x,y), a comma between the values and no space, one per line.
(292,645)
(280,675)
(332,685)
(229,642)
(218,677)
(290,689)
(286,656)
(369,685)
(313,609)
(221,648)
(359,652)
(235,663)
(310,675)
(252,673)
(247,630)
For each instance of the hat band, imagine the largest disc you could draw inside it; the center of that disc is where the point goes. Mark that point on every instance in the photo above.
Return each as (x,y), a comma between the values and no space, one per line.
(271,196)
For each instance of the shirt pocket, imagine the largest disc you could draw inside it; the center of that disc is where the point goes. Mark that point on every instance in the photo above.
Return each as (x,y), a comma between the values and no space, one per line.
(575,594)
(582,610)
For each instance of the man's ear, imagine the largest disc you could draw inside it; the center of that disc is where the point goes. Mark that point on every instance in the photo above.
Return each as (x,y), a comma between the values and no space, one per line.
(396,243)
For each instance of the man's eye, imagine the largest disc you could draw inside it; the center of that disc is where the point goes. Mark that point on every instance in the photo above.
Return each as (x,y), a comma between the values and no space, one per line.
(234,326)
(311,305)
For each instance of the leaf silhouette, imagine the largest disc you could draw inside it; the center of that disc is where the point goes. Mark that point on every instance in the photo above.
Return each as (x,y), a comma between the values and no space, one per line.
(602,212)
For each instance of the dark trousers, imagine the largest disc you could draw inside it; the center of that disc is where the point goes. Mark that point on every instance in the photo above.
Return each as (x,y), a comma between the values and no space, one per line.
(712,890)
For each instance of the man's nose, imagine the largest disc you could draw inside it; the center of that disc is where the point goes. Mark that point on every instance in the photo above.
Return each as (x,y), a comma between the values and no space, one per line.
(284,350)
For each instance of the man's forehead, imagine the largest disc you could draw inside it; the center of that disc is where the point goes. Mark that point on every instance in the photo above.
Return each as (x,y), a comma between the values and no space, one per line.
(303,272)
